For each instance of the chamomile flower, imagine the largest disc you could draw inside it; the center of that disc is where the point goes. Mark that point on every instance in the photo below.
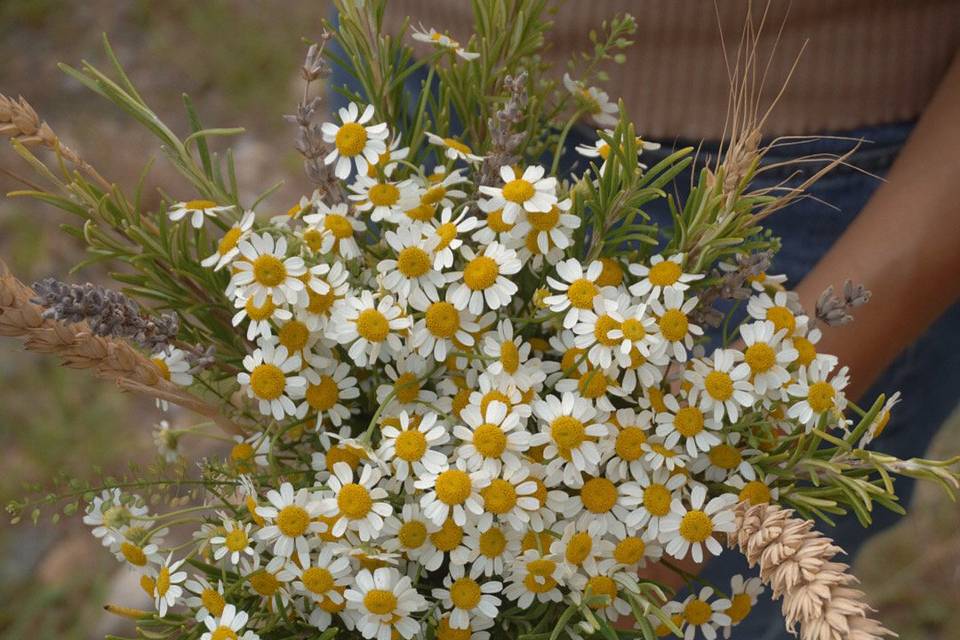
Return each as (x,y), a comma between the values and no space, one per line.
(452,493)
(438,39)
(658,455)
(207,599)
(581,547)
(663,274)
(173,366)
(526,191)
(650,499)
(333,230)
(548,229)
(494,227)
(673,322)
(446,234)
(599,330)
(760,490)
(234,543)
(410,534)
(316,310)
(453,148)
(779,310)
(371,328)
(442,189)
(166,585)
(297,337)
(570,435)
(328,385)
(491,437)
(259,316)
(509,498)
(267,379)
(266,272)
(689,530)
(264,581)
(361,505)
(601,148)
(512,364)
(647,370)
(385,200)
(110,514)
(467,598)
(819,394)
(385,601)
(289,519)
(598,586)
(601,504)
(228,247)
(689,423)
(136,550)
(719,387)
(630,431)
(805,344)
(476,631)
(632,552)
(576,291)
(484,281)
(354,141)
(700,614)
(411,447)
(743,597)
(167,441)
(411,275)
(443,328)
(536,577)
(766,356)
(596,385)
(598,104)
(228,624)
(724,459)
(198,210)
(489,552)
(321,577)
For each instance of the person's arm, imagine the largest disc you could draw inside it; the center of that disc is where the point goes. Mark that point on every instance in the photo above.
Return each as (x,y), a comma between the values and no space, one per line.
(904,246)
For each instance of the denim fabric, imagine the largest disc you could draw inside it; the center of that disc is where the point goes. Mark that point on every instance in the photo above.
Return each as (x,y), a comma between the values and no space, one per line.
(927,373)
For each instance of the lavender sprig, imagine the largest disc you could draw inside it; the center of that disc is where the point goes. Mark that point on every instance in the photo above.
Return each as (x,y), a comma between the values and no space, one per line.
(835,310)
(501,128)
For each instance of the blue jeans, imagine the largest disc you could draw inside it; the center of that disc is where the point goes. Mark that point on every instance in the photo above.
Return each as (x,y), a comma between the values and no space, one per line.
(927,372)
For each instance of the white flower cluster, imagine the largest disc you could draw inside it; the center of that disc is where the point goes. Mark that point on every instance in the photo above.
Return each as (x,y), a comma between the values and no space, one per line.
(521,448)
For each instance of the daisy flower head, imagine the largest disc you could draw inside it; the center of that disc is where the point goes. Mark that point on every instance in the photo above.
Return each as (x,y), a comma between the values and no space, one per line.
(494,227)
(689,530)
(266,272)
(228,247)
(328,385)
(296,336)
(361,505)
(452,493)
(289,519)
(384,601)
(173,366)
(442,189)
(387,161)
(411,274)
(819,394)
(229,624)
(234,542)
(595,385)
(410,534)
(198,210)
(645,371)
(136,549)
(673,322)
(259,316)
(490,551)
(320,576)
(637,330)
(509,498)
(805,344)
(467,598)
(484,281)
(720,387)
(570,435)
(576,291)
(581,547)
(316,310)
(110,514)
(598,104)
(766,356)
(265,582)
(453,148)
(166,585)
(354,140)
(743,597)
(601,148)
(371,328)
(446,235)
(411,447)
(725,459)
(332,230)
(599,330)
(512,364)
(438,39)
(663,274)
(442,328)
(632,552)
(649,500)
(385,200)
(779,310)
(630,432)
(688,422)
(526,191)
(491,437)
(536,577)
(597,587)
(548,229)
(754,490)
(658,455)
(700,614)
(267,379)
(207,599)
(477,629)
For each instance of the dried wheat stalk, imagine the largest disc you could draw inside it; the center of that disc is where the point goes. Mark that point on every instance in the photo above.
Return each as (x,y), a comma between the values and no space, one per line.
(796,562)
(79,348)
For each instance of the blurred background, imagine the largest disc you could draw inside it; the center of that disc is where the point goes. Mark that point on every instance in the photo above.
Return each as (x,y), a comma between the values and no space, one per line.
(238,60)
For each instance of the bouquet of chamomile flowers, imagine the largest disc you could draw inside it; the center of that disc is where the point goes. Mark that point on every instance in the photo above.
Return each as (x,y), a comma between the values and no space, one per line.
(472,390)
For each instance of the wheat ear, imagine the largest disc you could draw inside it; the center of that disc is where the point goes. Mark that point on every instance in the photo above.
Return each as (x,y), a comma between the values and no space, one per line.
(78,348)
(796,562)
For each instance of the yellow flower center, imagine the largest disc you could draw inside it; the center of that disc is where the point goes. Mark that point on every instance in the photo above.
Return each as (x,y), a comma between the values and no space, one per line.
(339,453)
(492,542)
(236,540)
(162,367)
(518,191)
(581,293)
(806,352)
(656,399)
(593,384)
(256,313)
(338,225)
(697,612)
(664,274)
(294,335)
(567,432)
(579,548)
(422,212)
(782,318)
(313,238)
(821,396)
(293,521)
(602,586)
(241,452)
(673,325)
(442,319)
(633,329)
(449,537)
(317,580)
(719,385)
(446,632)
(612,274)
(229,241)
(605,324)
(489,440)
(323,395)
(481,273)
(465,593)
(544,221)
(413,262)
(499,497)
(446,232)
(267,381)
(755,492)
(569,360)
(509,356)
(354,501)
(541,493)
(457,145)
(629,443)
(604,150)
(696,526)
(739,608)
(496,223)
(148,584)
(223,633)
(533,540)
(599,495)
(539,578)
(412,534)
(453,487)
(330,606)
(163,581)
(320,303)
(656,500)
(725,456)
(688,421)
(760,357)
(133,554)
(373,325)
(380,602)
(383,195)
(268,270)
(411,445)
(195,205)
(212,601)
(407,388)
(434,195)
(351,139)
(629,550)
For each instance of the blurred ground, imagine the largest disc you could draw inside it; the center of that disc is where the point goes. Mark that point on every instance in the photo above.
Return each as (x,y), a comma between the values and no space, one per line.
(238,60)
